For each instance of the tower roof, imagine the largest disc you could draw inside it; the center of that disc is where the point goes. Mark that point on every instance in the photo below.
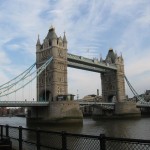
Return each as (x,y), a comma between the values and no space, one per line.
(111,55)
(51,34)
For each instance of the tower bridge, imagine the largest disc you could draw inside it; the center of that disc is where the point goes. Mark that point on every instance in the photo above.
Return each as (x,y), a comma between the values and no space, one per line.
(111,69)
(53,102)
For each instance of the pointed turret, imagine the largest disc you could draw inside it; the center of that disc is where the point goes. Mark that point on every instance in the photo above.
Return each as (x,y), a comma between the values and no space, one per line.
(60,39)
(51,34)
(100,58)
(38,41)
(111,56)
(38,44)
(64,38)
(121,56)
(51,38)
(65,41)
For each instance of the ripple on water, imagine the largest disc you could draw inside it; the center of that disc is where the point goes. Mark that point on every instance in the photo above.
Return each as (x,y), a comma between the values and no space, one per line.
(130,128)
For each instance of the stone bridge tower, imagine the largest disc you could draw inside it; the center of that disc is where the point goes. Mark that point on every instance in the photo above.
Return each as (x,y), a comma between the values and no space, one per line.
(113,85)
(53,81)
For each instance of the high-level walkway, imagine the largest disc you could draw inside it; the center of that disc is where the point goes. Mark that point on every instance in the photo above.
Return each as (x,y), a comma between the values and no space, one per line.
(94,65)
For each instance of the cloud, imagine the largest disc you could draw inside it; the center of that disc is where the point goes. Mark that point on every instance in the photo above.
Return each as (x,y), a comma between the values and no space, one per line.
(90,25)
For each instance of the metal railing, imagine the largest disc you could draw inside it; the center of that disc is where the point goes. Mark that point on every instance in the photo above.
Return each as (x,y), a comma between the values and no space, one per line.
(36,139)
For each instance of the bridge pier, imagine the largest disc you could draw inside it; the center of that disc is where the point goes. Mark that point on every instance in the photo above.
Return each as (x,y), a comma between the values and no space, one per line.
(121,110)
(127,109)
(56,112)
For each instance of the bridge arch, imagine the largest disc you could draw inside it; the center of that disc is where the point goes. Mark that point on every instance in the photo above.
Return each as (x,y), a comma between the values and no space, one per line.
(45,95)
(111,98)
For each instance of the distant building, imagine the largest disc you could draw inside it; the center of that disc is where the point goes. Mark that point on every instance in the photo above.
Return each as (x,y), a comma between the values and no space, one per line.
(3,111)
(147,95)
(88,110)
(92,97)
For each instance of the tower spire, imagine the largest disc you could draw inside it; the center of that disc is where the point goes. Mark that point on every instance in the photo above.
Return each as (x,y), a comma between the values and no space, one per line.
(38,41)
(64,38)
(38,44)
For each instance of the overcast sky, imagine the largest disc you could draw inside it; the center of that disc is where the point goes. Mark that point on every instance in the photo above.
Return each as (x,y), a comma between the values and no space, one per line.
(91,26)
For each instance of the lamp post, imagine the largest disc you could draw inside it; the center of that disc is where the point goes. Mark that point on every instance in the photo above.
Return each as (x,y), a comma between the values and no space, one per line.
(77,95)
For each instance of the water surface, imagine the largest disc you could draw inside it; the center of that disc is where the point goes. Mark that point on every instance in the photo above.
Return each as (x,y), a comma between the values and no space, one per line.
(130,128)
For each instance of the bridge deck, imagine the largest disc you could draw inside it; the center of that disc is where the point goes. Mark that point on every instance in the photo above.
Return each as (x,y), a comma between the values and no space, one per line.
(23,104)
(45,104)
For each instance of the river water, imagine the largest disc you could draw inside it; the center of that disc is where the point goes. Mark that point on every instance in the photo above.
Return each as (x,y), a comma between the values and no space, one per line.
(130,128)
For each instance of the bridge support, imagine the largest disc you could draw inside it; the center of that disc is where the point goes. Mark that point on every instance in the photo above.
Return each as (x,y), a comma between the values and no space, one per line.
(57,112)
(125,109)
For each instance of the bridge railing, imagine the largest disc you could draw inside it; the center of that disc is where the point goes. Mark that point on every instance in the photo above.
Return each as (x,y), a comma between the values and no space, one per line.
(29,139)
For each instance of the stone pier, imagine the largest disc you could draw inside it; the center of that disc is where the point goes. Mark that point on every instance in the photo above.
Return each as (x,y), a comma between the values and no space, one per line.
(122,110)
(57,112)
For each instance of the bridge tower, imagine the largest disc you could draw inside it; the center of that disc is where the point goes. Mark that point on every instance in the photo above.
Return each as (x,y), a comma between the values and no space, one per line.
(52,84)
(113,88)
(53,81)
(113,85)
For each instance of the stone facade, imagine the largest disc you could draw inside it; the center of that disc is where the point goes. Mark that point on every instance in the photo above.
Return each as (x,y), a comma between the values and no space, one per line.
(53,81)
(113,86)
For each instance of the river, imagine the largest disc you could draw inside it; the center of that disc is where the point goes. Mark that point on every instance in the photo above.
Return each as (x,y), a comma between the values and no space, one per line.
(130,128)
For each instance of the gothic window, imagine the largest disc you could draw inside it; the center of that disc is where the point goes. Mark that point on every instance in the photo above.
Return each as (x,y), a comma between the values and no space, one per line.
(58,89)
(60,53)
(50,43)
